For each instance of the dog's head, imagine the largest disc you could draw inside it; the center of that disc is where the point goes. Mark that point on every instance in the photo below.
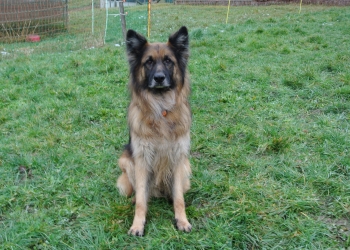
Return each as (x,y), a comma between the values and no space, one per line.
(157,67)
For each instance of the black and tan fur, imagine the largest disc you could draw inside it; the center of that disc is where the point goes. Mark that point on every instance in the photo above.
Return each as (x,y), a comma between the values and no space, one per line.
(155,162)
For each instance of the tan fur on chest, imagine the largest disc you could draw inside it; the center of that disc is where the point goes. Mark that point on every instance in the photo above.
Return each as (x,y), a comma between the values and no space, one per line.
(146,119)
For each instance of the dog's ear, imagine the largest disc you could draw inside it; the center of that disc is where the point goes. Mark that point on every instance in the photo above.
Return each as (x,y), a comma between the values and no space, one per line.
(179,42)
(134,43)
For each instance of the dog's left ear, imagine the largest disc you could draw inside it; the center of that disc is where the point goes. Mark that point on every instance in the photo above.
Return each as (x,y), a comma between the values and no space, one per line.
(179,42)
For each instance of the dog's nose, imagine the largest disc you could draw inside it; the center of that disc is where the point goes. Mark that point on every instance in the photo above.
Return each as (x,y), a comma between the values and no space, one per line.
(159,77)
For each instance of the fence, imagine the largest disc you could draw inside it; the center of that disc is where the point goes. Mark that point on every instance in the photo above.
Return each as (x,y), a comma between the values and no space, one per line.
(19,18)
(262,2)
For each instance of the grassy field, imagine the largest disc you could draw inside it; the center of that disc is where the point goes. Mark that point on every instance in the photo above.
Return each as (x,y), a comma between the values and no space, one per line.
(270,137)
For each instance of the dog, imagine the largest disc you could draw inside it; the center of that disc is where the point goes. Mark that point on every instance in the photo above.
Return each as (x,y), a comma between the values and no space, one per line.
(155,161)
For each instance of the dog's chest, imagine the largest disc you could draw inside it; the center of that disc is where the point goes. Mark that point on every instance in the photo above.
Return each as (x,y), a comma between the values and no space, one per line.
(161,153)
(166,158)
(163,127)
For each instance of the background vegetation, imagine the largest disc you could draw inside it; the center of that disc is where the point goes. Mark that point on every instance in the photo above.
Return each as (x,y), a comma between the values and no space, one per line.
(270,137)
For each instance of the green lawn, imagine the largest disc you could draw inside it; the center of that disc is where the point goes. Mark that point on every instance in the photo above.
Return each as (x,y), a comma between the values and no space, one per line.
(270,137)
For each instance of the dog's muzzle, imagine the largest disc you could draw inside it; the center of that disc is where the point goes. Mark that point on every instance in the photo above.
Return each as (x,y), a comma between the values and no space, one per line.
(159,81)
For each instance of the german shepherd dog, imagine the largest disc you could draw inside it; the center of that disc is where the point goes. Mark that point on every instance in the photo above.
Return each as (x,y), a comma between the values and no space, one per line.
(155,162)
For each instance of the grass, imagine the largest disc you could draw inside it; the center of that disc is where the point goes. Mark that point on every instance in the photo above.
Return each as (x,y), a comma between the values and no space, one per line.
(270,135)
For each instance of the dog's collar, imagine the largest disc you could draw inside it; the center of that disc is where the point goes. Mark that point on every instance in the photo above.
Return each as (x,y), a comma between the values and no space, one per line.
(164,113)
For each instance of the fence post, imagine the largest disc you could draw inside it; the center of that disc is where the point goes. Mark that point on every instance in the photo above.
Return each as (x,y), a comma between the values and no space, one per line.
(122,18)
(92,17)
(149,18)
(66,14)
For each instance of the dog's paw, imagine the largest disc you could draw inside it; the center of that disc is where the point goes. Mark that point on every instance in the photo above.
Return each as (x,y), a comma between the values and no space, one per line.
(136,230)
(183,225)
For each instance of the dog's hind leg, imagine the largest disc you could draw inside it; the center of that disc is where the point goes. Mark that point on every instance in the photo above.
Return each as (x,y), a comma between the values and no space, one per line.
(126,164)
(180,186)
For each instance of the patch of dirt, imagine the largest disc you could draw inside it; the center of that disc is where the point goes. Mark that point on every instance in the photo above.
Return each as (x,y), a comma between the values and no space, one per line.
(340,228)
(25,173)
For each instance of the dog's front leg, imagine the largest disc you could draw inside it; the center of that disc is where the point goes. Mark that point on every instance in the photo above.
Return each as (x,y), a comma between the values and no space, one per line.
(181,184)
(141,195)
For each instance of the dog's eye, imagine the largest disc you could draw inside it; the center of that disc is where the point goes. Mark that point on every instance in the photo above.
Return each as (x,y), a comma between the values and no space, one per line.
(167,61)
(149,62)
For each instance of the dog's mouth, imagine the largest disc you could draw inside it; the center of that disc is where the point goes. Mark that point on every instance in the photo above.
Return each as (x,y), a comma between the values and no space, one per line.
(160,87)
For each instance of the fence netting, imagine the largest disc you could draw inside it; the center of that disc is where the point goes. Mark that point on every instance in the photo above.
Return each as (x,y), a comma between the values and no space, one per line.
(19,18)
(92,23)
